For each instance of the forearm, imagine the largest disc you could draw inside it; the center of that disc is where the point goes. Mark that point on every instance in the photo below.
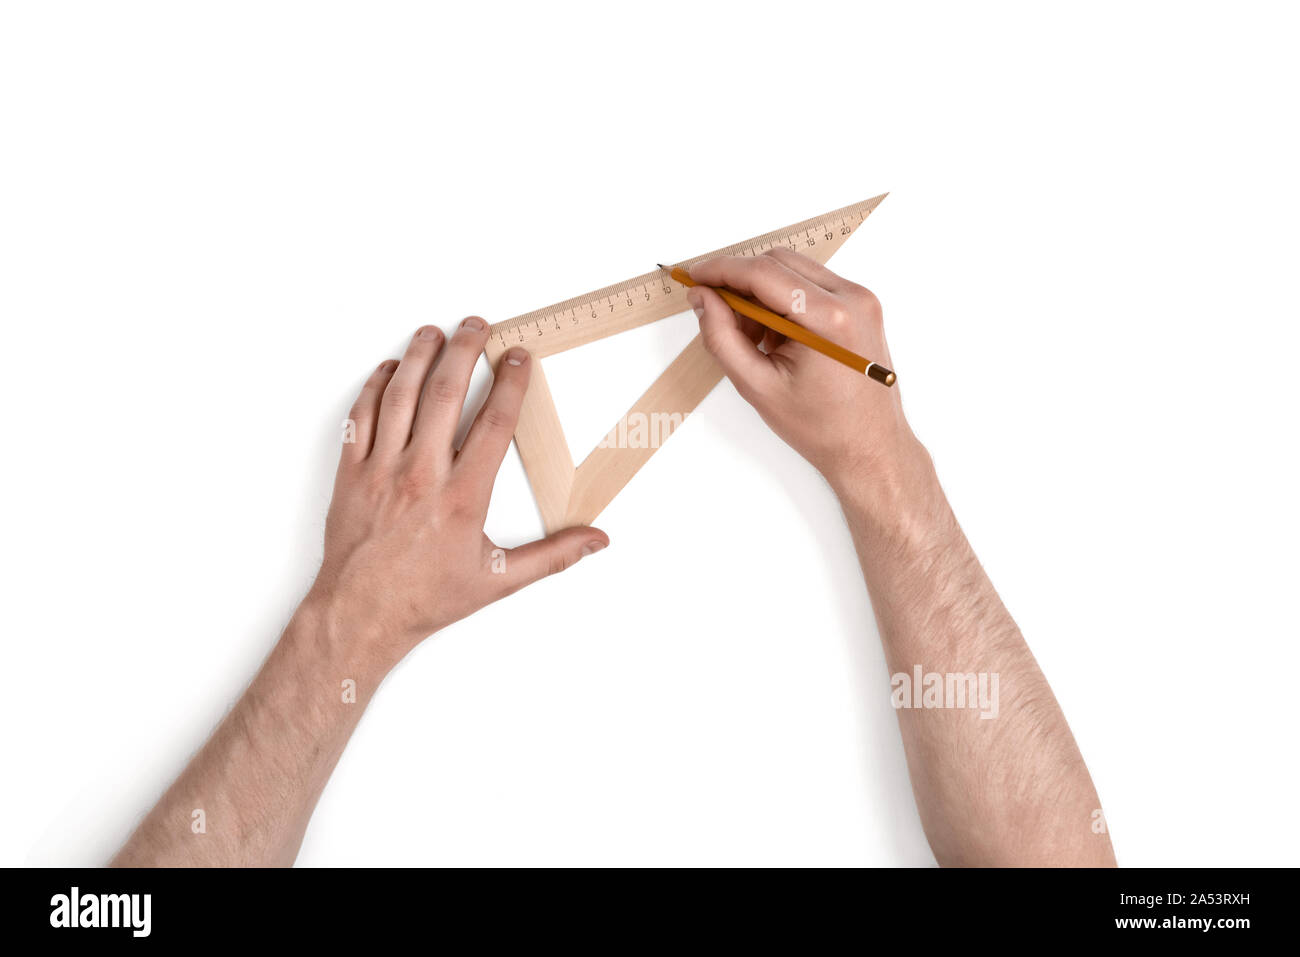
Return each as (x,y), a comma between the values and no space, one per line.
(405,555)
(999,783)
(258,778)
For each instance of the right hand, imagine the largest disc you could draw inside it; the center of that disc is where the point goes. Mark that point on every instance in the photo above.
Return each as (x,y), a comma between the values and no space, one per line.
(846,425)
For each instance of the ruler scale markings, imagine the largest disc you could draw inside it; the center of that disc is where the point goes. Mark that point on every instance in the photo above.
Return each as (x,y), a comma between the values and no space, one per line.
(625,311)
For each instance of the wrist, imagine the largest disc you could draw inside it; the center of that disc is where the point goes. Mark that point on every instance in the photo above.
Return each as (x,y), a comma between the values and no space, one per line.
(333,634)
(892,498)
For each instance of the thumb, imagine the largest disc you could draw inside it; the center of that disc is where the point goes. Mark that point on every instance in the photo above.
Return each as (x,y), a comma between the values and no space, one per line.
(748,369)
(550,555)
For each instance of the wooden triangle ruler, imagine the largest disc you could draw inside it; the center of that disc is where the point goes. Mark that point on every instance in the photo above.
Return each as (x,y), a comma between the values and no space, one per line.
(569,495)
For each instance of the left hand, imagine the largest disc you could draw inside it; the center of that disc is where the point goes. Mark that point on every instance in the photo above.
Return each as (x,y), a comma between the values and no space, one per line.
(405,552)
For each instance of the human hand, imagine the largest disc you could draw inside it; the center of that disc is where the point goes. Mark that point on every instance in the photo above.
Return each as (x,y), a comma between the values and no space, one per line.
(846,425)
(405,552)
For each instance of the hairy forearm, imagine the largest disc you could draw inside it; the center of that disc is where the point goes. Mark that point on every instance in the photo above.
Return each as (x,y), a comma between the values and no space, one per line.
(1006,788)
(256,781)
(405,555)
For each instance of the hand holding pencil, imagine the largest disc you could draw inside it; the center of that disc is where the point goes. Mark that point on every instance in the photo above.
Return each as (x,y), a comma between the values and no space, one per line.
(829,412)
(791,330)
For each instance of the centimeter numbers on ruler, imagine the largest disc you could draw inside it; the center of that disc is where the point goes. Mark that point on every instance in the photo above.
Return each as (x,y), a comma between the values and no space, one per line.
(653,295)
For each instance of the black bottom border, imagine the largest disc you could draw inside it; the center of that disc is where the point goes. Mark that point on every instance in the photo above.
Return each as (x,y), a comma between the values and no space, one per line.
(923,907)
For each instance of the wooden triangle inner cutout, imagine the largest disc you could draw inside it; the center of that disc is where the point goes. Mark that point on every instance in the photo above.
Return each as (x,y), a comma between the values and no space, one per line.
(569,494)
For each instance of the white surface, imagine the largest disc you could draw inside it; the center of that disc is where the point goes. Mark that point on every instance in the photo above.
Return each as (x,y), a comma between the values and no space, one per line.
(214,222)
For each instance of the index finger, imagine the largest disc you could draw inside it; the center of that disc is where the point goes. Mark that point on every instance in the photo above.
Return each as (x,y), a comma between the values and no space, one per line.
(829,280)
(772,283)
(489,437)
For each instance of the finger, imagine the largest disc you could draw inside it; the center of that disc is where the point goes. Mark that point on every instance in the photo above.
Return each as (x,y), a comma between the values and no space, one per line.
(402,396)
(811,270)
(766,339)
(749,370)
(852,302)
(551,555)
(359,430)
(764,279)
(754,331)
(444,393)
(494,426)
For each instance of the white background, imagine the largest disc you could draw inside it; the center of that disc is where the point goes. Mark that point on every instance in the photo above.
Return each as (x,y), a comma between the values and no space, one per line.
(216,219)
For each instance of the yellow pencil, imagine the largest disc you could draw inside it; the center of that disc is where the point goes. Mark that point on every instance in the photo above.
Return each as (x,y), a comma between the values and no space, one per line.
(791,330)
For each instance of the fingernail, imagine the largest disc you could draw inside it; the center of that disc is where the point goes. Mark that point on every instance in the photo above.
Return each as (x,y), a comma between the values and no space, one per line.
(592,548)
(693,298)
(516,356)
(388,365)
(474,324)
(429,332)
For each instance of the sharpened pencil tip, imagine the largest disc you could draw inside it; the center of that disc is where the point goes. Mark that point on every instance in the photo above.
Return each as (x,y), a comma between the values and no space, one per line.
(661,265)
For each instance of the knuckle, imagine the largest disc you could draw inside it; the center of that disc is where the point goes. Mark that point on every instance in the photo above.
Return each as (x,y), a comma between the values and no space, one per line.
(711,337)
(442,391)
(497,419)
(400,394)
(865,299)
